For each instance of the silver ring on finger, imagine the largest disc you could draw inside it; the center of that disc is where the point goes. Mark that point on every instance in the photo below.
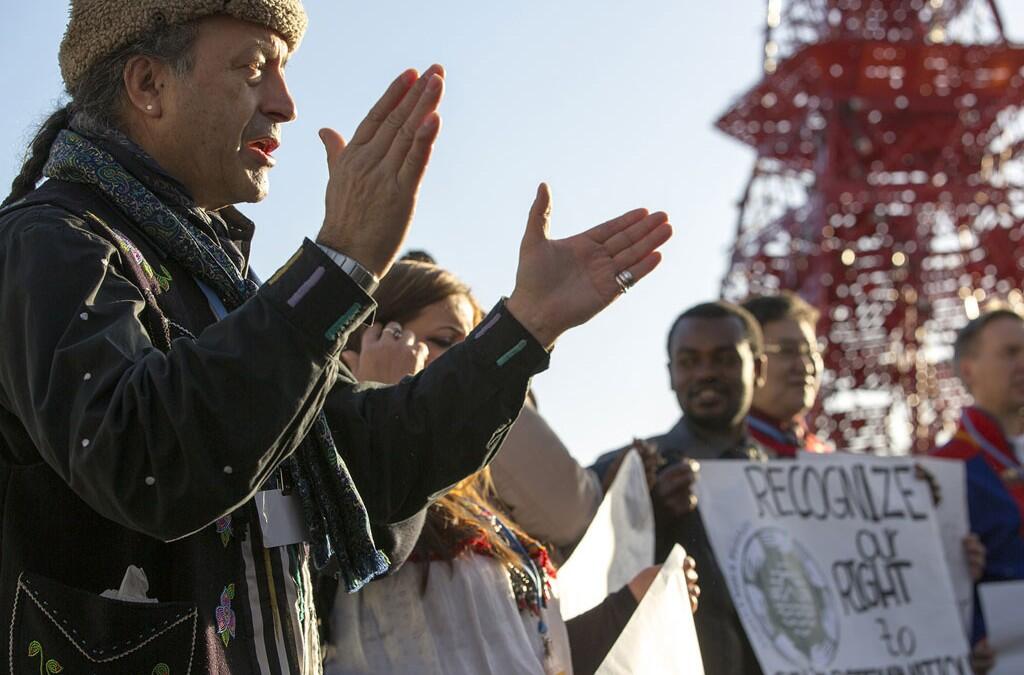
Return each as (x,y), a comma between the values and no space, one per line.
(395,330)
(625,280)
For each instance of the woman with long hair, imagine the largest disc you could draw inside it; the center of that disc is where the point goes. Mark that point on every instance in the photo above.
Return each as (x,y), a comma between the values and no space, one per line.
(478,594)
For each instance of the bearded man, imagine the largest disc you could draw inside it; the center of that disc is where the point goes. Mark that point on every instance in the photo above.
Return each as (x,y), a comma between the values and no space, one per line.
(181,448)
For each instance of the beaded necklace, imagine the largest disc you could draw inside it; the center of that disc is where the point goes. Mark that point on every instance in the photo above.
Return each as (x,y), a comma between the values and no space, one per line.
(530,578)
(531,584)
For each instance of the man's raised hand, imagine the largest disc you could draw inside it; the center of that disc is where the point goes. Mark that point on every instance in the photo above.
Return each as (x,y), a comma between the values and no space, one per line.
(562,283)
(375,178)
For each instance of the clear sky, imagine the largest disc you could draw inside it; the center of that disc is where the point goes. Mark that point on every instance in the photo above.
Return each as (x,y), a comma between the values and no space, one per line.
(610,102)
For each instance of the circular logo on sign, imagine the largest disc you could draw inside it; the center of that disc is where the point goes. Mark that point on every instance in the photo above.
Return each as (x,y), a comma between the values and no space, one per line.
(789,598)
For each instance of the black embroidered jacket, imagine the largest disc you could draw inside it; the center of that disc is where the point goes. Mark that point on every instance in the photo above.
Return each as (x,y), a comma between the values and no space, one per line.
(114,453)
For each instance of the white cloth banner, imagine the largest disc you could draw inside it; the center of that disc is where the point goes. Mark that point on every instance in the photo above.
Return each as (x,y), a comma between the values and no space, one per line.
(954,526)
(1001,603)
(660,636)
(618,544)
(835,566)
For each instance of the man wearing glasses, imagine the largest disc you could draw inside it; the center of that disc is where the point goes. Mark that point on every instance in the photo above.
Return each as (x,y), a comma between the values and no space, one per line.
(792,375)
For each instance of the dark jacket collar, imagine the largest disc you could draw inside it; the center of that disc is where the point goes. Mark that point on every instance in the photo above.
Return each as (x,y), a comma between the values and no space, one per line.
(686,439)
(236,238)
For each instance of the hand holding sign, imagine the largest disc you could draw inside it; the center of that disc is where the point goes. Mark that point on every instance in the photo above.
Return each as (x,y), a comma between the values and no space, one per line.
(976,555)
(983,659)
(692,582)
(649,455)
(673,491)
(660,636)
(1003,651)
(652,459)
(642,582)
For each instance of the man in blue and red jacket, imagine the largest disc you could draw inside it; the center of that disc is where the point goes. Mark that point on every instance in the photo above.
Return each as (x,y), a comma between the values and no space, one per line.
(989,357)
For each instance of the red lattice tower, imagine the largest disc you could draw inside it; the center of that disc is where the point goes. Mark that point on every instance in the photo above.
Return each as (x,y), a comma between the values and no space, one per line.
(887,191)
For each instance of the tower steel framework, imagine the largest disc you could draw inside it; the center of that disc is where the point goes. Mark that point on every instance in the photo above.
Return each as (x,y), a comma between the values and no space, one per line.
(888,191)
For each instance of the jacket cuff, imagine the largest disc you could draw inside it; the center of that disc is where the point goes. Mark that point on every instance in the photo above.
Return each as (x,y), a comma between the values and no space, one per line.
(318,297)
(501,344)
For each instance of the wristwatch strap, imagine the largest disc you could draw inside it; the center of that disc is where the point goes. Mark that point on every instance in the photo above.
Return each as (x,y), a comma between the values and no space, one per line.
(366,279)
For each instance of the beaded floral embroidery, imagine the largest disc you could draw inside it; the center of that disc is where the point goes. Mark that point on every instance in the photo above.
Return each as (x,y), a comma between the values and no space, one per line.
(224,530)
(226,615)
(164,278)
(138,261)
(45,666)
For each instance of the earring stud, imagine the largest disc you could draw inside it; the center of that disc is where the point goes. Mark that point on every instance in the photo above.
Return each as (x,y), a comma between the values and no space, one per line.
(149,107)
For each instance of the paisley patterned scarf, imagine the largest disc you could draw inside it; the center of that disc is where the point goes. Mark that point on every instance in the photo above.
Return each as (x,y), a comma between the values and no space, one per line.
(335,516)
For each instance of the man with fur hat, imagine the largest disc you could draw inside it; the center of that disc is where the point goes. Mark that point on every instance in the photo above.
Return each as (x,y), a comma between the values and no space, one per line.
(181,449)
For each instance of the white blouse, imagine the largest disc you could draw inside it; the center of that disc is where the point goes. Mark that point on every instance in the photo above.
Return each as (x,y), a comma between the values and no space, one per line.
(464,622)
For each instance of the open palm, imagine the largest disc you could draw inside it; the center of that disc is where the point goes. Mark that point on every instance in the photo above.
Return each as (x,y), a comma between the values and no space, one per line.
(563,283)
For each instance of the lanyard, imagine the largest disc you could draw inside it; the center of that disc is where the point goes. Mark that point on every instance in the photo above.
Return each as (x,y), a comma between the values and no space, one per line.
(991,450)
(216,304)
(775,434)
(533,571)
(1011,468)
(274,482)
(530,567)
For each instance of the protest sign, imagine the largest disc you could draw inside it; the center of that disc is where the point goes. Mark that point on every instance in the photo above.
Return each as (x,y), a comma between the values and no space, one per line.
(950,477)
(618,544)
(954,526)
(660,636)
(835,566)
(1001,603)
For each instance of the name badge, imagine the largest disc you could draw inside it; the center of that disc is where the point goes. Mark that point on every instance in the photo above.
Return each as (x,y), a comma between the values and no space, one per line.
(280,518)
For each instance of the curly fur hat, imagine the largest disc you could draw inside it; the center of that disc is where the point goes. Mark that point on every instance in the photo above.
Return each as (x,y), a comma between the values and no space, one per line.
(100,27)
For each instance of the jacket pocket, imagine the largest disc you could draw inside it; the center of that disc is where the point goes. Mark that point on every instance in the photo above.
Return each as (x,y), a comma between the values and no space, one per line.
(56,628)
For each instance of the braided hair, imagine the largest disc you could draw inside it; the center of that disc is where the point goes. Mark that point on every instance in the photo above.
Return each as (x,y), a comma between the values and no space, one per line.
(38,153)
(98,98)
